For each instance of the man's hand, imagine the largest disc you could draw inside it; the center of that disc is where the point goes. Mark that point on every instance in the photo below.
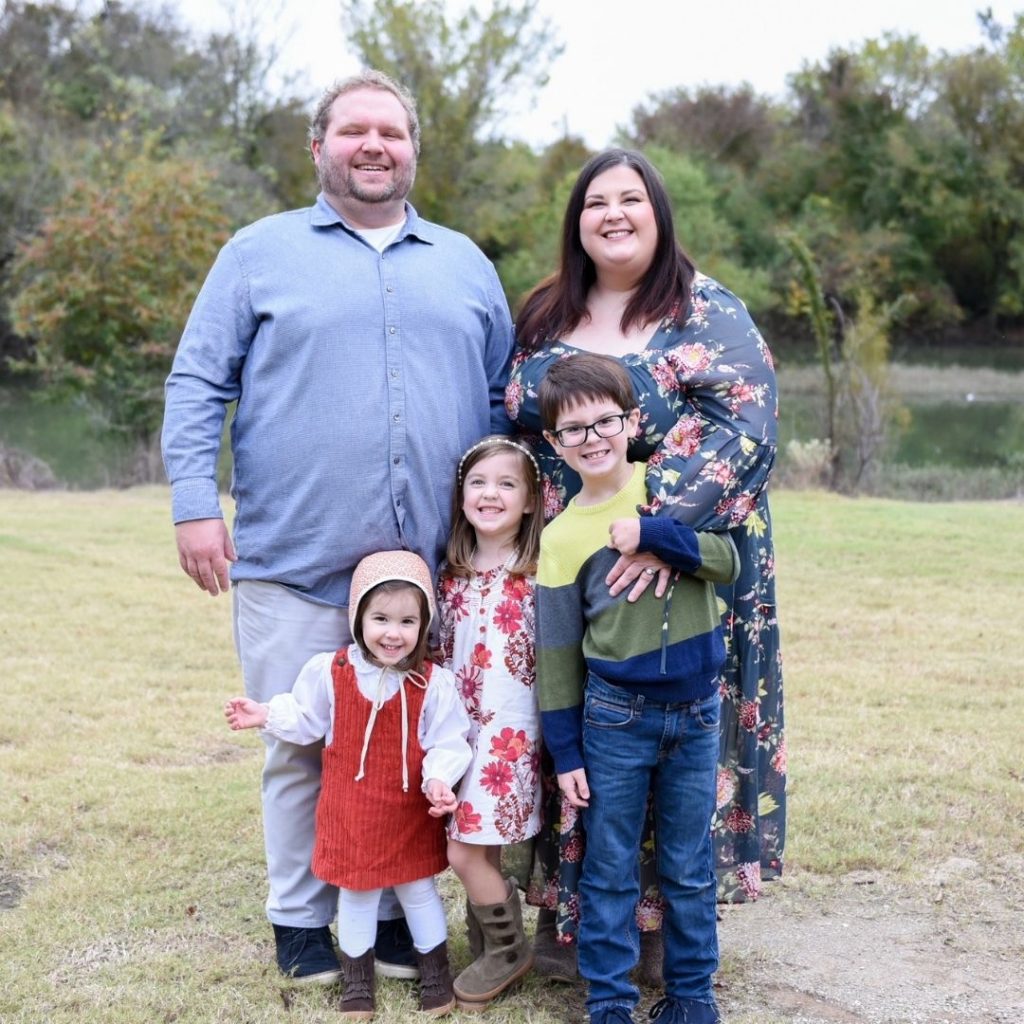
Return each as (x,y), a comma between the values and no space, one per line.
(442,799)
(204,551)
(574,786)
(638,571)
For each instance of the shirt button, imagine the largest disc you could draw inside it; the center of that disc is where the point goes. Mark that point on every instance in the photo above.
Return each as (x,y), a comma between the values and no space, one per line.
(394,373)
(391,330)
(397,417)
(396,460)
(390,289)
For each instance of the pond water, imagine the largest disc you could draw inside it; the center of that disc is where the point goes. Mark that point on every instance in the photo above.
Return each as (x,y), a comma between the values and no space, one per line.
(963,433)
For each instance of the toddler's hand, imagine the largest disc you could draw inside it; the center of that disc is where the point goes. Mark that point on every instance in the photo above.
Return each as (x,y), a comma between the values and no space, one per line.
(624,536)
(243,713)
(442,799)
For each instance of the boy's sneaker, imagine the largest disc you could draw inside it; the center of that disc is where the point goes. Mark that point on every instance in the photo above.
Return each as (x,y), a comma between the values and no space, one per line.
(684,1011)
(612,1015)
(394,956)
(306,955)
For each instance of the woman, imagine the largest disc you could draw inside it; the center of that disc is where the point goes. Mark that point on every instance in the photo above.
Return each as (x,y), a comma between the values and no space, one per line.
(705,386)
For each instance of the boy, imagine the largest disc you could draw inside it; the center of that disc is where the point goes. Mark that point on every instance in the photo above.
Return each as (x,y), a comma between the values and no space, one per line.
(629,697)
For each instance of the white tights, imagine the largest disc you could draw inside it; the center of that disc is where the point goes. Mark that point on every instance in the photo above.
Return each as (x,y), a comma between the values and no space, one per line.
(424,912)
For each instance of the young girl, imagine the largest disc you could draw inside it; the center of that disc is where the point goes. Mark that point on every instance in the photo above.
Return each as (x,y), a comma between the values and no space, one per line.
(487,627)
(395,731)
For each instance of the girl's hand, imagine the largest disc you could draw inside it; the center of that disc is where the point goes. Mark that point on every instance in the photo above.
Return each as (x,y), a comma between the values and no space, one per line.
(624,535)
(442,799)
(574,786)
(243,713)
(638,570)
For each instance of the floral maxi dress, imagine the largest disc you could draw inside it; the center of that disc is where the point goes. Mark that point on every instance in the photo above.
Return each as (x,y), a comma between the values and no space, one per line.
(487,640)
(705,386)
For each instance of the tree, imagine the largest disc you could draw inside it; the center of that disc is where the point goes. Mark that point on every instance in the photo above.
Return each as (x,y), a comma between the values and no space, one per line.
(104,289)
(465,73)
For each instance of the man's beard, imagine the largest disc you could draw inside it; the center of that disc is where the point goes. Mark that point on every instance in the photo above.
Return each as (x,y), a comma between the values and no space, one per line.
(336,179)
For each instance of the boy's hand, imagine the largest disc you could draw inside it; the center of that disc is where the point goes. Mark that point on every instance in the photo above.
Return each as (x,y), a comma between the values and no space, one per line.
(442,799)
(574,786)
(243,713)
(624,536)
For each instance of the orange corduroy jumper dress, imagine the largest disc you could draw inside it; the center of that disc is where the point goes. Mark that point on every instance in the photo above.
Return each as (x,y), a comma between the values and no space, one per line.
(370,834)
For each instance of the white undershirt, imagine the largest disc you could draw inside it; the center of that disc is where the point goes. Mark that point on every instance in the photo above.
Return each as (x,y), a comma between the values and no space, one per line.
(381,238)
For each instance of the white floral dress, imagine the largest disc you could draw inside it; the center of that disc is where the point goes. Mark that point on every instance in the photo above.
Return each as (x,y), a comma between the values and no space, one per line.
(487,640)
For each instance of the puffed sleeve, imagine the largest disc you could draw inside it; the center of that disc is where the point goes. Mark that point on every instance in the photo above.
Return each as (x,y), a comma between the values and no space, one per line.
(307,713)
(443,730)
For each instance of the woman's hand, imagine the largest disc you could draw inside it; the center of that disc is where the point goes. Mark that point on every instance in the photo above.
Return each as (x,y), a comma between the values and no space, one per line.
(638,571)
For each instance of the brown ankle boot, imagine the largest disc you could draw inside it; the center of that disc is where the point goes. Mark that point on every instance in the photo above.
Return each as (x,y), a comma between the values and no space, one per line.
(357,1002)
(552,959)
(436,996)
(507,955)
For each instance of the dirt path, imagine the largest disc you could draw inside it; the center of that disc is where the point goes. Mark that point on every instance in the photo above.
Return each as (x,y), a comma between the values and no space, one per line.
(867,950)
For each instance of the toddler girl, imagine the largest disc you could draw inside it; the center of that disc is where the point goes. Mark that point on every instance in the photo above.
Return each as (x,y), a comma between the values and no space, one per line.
(487,639)
(395,731)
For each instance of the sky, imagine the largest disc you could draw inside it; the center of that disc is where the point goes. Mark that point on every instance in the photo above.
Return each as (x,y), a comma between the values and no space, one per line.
(618,54)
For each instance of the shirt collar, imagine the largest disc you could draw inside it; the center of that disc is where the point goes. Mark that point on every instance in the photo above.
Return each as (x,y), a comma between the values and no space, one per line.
(325,215)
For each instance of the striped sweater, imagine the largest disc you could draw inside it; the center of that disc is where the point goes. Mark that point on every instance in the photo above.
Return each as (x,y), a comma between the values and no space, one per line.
(669,648)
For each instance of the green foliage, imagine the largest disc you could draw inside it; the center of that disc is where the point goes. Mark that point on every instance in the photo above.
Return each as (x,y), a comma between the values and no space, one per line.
(465,70)
(106,285)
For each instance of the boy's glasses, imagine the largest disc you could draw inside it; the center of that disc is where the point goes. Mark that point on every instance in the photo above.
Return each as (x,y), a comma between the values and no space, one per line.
(606,426)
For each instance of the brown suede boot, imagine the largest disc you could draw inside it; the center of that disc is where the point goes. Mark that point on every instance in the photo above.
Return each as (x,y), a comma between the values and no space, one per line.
(436,996)
(357,1002)
(507,955)
(473,932)
(552,959)
(650,969)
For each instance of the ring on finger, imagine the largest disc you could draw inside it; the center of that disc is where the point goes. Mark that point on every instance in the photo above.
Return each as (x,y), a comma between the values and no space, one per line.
(648,572)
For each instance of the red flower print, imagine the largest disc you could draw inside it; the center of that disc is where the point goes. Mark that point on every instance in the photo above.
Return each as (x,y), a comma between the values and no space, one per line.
(573,850)
(508,616)
(481,657)
(466,819)
(719,471)
(684,438)
(726,787)
(513,399)
(664,376)
(749,876)
(516,587)
(739,820)
(509,745)
(495,778)
(780,758)
(748,715)
(552,500)
(690,359)
(455,603)
(742,392)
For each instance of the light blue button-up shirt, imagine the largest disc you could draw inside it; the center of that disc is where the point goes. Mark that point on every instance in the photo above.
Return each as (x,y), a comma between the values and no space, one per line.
(360,378)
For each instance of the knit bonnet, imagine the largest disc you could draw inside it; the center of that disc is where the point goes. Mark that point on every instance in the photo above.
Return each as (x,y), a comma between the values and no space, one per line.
(389,565)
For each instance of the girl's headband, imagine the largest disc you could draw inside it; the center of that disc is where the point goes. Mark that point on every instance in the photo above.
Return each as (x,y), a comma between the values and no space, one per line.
(494,442)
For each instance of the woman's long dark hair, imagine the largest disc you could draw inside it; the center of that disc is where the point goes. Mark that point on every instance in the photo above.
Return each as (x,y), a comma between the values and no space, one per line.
(559,302)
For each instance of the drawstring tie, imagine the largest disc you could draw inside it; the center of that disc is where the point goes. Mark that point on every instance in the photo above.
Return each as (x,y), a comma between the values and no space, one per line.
(379,701)
(664,623)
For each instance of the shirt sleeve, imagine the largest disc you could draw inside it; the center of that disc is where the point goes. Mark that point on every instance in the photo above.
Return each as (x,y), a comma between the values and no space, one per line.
(205,377)
(498,355)
(708,556)
(306,714)
(443,730)
(561,667)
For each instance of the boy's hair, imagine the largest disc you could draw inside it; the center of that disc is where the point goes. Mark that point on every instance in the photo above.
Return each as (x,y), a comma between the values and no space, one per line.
(581,377)
(418,658)
(462,539)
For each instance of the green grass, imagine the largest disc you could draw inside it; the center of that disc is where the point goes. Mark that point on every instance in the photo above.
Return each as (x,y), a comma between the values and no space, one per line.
(131,877)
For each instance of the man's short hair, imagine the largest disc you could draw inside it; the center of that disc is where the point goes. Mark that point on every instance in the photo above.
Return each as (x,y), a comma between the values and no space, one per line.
(579,378)
(368,78)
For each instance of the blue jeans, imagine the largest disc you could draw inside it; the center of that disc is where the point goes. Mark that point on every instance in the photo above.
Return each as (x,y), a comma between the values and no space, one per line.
(632,745)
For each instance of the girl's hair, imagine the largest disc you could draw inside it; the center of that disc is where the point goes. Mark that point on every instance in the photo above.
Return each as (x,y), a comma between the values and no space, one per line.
(557,305)
(462,541)
(418,658)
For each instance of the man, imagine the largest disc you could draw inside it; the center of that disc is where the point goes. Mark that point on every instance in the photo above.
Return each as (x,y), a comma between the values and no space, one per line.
(366,349)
